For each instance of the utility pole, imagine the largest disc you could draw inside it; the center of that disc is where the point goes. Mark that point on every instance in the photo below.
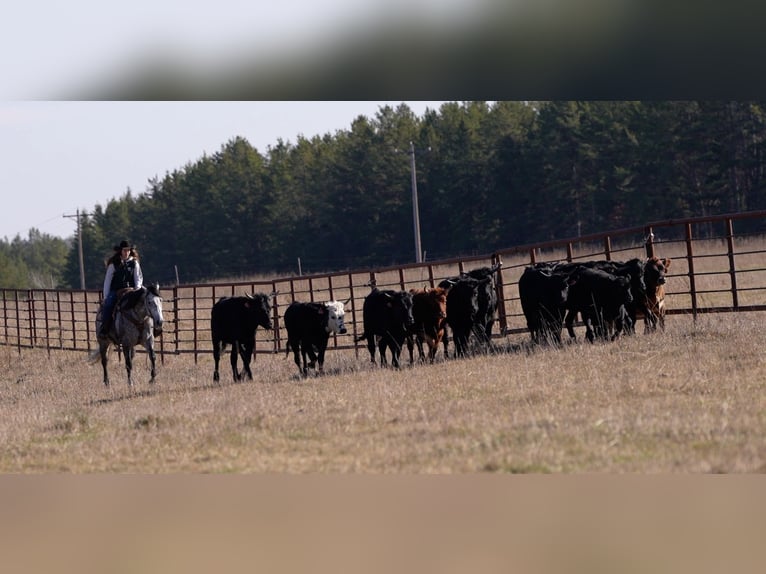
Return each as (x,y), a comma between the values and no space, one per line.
(79,247)
(415,210)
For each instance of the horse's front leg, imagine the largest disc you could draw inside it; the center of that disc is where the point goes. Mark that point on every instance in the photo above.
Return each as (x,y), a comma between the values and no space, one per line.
(129,353)
(150,350)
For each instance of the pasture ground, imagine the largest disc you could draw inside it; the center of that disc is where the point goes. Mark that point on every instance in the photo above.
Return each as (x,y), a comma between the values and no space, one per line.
(689,400)
(338,473)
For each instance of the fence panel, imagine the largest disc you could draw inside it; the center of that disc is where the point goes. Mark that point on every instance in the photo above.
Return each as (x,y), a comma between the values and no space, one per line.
(714,268)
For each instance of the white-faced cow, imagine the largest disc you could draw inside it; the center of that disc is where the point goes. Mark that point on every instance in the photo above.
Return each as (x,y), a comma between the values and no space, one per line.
(233,321)
(429,311)
(309,326)
(387,317)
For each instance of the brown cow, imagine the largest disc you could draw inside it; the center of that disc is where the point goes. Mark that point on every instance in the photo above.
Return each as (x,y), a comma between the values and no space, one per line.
(654,278)
(429,309)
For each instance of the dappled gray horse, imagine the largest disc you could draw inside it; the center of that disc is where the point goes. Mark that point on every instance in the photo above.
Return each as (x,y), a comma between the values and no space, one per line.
(138,320)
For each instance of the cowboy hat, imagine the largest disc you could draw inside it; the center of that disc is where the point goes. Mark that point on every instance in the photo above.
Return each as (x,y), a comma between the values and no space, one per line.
(124,245)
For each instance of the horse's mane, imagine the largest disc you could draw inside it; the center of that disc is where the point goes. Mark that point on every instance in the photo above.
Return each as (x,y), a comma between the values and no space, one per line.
(132,298)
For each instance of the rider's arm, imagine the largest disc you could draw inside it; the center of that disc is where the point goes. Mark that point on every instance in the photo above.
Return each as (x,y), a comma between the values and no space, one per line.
(108,279)
(138,276)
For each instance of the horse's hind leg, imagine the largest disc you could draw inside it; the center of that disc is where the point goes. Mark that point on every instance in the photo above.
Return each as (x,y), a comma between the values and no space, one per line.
(102,351)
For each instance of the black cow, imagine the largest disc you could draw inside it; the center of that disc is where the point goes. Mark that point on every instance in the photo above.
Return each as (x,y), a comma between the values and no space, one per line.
(478,319)
(471,305)
(309,326)
(233,321)
(632,269)
(601,298)
(543,291)
(387,317)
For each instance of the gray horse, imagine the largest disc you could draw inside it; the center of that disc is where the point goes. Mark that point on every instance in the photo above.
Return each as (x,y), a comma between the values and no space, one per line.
(138,320)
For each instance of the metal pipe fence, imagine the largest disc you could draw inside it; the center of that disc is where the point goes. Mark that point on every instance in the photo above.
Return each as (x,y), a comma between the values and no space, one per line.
(715,268)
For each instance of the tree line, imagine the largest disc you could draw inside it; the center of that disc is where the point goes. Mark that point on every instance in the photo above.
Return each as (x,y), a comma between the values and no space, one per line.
(490,175)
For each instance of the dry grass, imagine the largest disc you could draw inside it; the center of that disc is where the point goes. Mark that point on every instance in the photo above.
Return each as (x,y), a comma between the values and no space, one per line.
(690,400)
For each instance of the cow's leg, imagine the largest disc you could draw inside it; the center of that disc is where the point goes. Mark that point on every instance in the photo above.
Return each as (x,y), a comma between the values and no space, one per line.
(297,353)
(396,352)
(320,357)
(382,350)
(371,347)
(305,362)
(460,340)
(233,360)
(589,330)
(247,355)
(216,359)
(410,348)
(432,345)
(488,330)
(569,322)
(309,347)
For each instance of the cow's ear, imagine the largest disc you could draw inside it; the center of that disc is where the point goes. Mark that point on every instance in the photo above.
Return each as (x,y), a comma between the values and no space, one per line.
(321,310)
(389,304)
(247,304)
(666,263)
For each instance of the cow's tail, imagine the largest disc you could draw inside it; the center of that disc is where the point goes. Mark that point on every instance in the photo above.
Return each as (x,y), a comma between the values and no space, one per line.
(287,348)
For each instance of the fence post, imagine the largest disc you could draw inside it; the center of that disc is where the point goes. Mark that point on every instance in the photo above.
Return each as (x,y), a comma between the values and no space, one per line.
(608,248)
(649,242)
(502,318)
(690,260)
(732,268)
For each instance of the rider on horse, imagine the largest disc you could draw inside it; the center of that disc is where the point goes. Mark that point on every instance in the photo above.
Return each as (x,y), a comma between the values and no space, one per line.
(123,271)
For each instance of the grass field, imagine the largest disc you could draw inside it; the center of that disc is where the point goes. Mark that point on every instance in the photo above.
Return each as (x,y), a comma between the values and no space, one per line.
(689,400)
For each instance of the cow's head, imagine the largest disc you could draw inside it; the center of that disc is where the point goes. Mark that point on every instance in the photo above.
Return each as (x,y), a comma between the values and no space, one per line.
(654,272)
(335,315)
(400,304)
(258,306)
(439,296)
(624,283)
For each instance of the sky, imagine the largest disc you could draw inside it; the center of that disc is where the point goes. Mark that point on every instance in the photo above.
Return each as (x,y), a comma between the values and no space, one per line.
(61,156)
(98,97)
(60,49)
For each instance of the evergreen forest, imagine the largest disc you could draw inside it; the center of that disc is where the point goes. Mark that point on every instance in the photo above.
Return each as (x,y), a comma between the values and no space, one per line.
(490,175)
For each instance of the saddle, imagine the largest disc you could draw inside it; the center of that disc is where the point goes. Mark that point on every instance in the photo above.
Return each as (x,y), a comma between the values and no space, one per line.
(121,301)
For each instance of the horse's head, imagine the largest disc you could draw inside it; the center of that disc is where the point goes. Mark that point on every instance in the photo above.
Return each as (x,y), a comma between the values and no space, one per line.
(154,307)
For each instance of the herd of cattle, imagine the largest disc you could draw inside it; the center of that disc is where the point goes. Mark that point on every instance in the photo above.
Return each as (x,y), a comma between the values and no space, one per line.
(609,296)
